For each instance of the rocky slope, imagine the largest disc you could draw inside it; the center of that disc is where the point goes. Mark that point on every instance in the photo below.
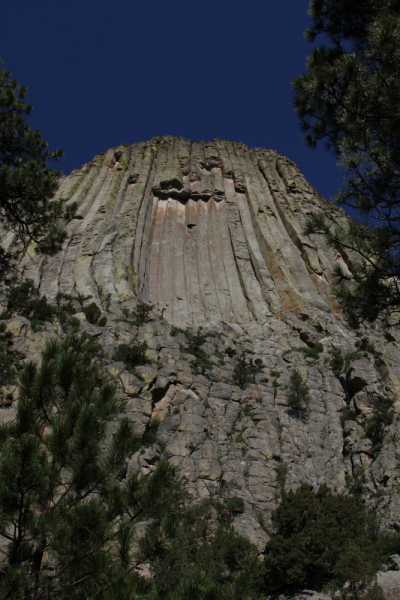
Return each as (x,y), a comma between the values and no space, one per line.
(210,234)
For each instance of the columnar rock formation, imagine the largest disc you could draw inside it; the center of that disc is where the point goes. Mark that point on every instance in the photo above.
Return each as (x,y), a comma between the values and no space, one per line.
(210,234)
(207,232)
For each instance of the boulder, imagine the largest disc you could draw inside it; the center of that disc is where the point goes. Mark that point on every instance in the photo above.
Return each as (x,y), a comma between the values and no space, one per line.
(360,374)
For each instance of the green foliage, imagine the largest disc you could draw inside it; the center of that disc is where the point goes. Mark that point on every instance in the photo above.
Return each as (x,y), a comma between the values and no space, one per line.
(58,491)
(367,346)
(102,322)
(207,559)
(337,361)
(92,312)
(281,475)
(323,539)
(42,312)
(77,526)
(201,362)
(313,531)
(235,505)
(241,376)
(128,317)
(355,483)
(195,340)
(105,298)
(150,435)
(381,417)
(20,298)
(313,352)
(24,300)
(64,309)
(81,298)
(245,370)
(176,330)
(347,415)
(298,397)
(141,312)
(231,352)
(27,185)
(9,362)
(275,374)
(349,97)
(239,439)
(132,356)
(355,570)
(349,357)
(75,323)
(370,347)
(126,312)
(275,385)
(139,315)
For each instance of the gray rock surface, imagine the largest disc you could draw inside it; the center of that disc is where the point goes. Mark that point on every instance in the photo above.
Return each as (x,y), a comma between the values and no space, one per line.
(390,583)
(210,234)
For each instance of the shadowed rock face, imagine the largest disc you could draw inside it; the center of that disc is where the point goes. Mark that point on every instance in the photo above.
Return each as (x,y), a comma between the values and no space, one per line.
(207,232)
(211,235)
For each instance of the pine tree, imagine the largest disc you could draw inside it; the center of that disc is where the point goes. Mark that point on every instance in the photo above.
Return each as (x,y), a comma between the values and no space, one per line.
(69,515)
(27,184)
(349,96)
(298,397)
(319,538)
(246,370)
(74,524)
(206,558)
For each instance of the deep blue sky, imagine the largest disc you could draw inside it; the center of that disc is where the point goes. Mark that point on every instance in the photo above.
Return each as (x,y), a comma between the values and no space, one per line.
(101,73)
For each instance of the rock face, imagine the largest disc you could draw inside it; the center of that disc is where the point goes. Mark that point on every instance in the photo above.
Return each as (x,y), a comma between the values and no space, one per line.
(210,234)
(207,232)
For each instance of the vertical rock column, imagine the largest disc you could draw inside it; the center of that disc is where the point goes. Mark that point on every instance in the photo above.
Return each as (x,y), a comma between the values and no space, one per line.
(208,232)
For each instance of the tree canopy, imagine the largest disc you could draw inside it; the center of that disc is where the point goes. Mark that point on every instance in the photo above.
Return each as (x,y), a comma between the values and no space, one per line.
(27,183)
(321,538)
(349,97)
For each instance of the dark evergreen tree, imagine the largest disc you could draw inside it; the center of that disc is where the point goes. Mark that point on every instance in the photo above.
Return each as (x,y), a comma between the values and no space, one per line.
(201,362)
(8,360)
(206,558)
(245,370)
(349,96)
(74,524)
(316,540)
(298,397)
(25,300)
(27,184)
(68,514)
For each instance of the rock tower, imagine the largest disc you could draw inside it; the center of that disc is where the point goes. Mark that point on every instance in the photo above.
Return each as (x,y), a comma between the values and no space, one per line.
(211,235)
